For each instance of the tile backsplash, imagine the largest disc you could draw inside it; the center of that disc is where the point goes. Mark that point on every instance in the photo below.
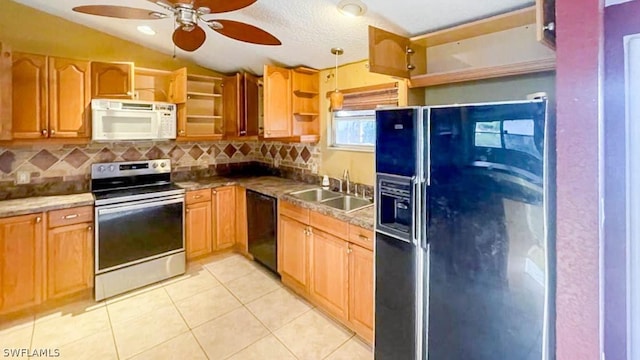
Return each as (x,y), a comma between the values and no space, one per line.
(67,168)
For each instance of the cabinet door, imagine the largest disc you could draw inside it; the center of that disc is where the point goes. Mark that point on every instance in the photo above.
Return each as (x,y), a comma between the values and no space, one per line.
(361,291)
(251,104)
(20,262)
(277,102)
(111,80)
(241,220)
(198,229)
(29,94)
(5,92)
(292,252)
(388,53)
(178,86)
(233,107)
(546,22)
(69,98)
(224,200)
(329,273)
(69,259)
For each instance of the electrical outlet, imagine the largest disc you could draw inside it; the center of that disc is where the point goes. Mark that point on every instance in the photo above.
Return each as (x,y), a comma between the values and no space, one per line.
(24,177)
(276,162)
(314,168)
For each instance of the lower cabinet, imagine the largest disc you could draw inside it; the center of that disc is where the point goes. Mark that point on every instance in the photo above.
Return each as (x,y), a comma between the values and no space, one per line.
(21,263)
(210,220)
(330,273)
(332,267)
(292,253)
(198,229)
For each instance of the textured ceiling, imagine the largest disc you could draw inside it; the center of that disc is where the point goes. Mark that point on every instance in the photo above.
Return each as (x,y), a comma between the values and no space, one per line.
(308,29)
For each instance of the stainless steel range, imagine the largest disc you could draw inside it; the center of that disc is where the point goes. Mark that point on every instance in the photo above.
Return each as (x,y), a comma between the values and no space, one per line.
(139,225)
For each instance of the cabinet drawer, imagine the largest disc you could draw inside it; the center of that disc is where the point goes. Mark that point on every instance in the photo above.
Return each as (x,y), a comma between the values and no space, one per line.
(329,224)
(294,212)
(70,216)
(360,236)
(197,196)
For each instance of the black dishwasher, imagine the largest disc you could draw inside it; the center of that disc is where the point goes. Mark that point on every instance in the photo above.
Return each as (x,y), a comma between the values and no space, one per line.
(262,222)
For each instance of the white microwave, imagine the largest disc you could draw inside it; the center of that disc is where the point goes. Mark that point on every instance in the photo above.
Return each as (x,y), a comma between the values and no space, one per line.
(132,120)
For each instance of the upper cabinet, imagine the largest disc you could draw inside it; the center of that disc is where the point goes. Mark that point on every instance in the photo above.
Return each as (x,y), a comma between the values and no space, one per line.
(546,22)
(240,95)
(53,95)
(200,107)
(277,102)
(112,80)
(465,52)
(5,92)
(291,103)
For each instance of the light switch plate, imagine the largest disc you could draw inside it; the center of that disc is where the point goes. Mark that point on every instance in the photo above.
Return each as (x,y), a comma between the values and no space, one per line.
(24,177)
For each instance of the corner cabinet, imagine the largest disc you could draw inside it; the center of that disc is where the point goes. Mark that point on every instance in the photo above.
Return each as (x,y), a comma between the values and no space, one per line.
(21,262)
(53,95)
(112,80)
(399,56)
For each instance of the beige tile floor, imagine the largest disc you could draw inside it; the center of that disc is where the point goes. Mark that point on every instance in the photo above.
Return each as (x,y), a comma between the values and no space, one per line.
(224,307)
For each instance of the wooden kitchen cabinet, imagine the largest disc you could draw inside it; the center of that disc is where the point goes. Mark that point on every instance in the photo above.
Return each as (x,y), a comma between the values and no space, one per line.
(69,98)
(361,295)
(198,229)
(5,92)
(224,214)
(112,80)
(69,251)
(53,95)
(306,104)
(277,102)
(546,22)
(329,260)
(242,231)
(30,89)
(240,105)
(399,56)
(292,253)
(200,107)
(21,262)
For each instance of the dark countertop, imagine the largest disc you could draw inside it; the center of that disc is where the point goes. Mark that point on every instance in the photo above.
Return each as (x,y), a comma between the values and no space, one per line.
(280,189)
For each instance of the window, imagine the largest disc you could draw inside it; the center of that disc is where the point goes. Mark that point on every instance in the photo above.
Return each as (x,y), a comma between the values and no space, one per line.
(354,127)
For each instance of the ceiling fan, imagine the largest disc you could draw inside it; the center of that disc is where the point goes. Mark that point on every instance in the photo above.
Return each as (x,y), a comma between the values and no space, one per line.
(188,35)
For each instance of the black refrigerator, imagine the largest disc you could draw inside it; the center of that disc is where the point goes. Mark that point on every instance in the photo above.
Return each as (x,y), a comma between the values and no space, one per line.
(463,249)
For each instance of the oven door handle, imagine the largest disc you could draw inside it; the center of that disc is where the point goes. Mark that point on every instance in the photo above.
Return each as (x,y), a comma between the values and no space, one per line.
(137,205)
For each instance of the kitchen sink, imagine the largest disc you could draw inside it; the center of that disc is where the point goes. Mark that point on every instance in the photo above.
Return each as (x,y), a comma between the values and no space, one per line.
(315,194)
(347,203)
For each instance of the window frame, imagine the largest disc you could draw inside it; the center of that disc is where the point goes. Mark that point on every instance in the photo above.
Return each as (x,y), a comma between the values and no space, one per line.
(331,129)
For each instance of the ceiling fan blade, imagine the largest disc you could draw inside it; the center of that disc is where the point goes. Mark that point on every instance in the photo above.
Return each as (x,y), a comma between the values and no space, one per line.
(243,32)
(121,12)
(189,40)
(216,6)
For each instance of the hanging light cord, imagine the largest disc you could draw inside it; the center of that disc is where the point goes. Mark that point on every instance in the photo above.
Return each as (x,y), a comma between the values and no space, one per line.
(336,75)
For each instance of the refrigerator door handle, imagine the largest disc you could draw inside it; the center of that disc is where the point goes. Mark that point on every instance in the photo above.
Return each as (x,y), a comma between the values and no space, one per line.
(415,221)
(426,215)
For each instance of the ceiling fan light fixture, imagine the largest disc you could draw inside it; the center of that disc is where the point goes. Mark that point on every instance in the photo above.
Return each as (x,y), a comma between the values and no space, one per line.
(352,8)
(145,29)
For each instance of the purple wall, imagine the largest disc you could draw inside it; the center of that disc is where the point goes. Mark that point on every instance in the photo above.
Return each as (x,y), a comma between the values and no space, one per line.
(620,20)
(579,69)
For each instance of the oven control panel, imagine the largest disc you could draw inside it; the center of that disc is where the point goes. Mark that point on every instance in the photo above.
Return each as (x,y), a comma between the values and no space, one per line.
(130,168)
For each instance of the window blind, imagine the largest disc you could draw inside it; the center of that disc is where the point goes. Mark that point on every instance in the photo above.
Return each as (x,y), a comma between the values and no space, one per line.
(370,97)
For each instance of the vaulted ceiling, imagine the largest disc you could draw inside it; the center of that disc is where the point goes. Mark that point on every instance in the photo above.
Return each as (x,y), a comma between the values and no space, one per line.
(308,29)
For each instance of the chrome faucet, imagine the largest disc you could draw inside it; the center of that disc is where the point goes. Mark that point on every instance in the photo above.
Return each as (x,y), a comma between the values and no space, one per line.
(345,177)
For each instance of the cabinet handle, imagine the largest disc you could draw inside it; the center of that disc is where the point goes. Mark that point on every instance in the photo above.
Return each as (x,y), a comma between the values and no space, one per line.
(90,228)
(268,132)
(214,192)
(181,132)
(53,132)
(72,216)
(409,52)
(363,238)
(38,220)
(349,250)
(197,196)
(310,230)
(187,210)
(44,132)
(550,26)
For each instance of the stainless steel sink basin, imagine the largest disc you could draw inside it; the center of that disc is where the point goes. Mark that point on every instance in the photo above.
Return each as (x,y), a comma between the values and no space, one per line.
(315,194)
(347,203)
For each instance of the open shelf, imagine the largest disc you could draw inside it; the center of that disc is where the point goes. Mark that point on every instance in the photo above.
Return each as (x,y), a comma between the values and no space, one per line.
(204,117)
(202,95)
(306,114)
(306,93)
